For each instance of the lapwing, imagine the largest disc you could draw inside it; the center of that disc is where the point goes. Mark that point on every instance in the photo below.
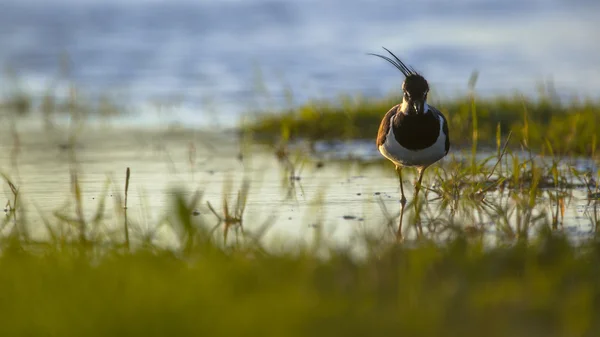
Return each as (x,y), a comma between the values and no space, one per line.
(412,133)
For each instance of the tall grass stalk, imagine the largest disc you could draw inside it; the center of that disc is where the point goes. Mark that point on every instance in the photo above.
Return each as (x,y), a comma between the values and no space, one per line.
(126,224)
(76,190)
(475,135)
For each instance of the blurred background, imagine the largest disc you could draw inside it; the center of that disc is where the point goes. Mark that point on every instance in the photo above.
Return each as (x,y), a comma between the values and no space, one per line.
(220,56)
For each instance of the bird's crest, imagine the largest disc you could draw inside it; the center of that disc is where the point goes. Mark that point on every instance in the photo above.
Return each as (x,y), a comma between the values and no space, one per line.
(406,70)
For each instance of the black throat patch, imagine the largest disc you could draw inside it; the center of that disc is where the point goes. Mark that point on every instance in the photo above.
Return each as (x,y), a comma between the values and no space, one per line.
(416,132)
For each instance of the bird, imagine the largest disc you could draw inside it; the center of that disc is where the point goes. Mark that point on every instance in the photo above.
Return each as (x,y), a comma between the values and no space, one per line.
(412,133)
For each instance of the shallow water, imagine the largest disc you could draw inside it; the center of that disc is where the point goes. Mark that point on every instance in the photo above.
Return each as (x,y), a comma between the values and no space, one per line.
(336,200)
(160,161)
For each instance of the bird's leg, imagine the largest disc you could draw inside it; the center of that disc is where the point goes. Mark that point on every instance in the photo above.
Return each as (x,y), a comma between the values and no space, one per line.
(399,236)
(418,184)
(402,198)
(416,202)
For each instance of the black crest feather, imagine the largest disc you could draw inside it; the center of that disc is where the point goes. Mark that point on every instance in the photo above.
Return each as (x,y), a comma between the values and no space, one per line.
(407,71)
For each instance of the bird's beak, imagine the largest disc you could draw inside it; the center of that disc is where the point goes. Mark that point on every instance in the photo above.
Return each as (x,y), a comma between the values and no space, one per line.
(419,106)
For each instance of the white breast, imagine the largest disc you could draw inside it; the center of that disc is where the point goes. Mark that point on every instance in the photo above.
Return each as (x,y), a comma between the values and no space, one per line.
(399,155)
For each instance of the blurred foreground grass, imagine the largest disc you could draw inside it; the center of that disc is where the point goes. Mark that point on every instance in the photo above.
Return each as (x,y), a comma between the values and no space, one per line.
(546,287)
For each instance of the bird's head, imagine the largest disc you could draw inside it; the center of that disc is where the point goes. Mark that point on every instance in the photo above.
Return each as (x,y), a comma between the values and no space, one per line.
(414,87)
(415,90)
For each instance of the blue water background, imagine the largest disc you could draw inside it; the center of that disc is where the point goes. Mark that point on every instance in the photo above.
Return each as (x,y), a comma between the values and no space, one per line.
(215,56)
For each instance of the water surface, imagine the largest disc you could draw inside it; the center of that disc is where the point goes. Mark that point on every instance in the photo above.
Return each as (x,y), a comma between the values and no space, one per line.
(338,200)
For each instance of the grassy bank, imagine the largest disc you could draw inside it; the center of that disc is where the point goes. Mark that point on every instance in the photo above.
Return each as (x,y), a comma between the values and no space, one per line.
(569,127)
(536,122)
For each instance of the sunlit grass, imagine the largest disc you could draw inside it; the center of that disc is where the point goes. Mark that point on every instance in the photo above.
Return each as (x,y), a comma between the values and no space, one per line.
(569,126)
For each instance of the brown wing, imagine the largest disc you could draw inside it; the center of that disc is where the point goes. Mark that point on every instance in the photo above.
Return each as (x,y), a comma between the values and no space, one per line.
(384,127)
